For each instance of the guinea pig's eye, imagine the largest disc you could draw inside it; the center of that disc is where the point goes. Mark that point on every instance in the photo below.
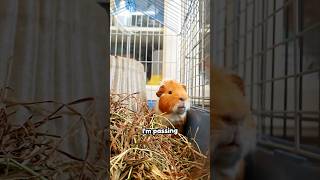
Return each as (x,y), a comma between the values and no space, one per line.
(227,119)
(170,92)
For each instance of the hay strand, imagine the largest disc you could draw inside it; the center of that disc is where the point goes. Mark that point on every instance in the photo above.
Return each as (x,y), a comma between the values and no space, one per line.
(140,156)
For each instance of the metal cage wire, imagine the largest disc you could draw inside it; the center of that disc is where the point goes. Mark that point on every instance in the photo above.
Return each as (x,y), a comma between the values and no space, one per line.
(273,47)
(134,37)
(195,47)
(141,39)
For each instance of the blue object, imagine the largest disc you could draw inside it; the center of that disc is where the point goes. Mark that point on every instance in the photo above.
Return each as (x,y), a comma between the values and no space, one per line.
(151,103)
(152,8)
(117,3)
(131,5)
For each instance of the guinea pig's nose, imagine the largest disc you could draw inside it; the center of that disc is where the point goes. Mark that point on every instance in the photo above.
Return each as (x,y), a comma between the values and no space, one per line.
(181,99)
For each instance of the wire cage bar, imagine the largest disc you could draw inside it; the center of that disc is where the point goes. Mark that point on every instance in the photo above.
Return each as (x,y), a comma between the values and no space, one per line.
(146,35)
(195,47)
(154,9)
(273,46)
(142,41)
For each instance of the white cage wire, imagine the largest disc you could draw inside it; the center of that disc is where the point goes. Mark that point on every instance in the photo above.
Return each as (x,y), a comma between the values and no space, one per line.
(140,38)
(195,50)
(172,45)
(274,47)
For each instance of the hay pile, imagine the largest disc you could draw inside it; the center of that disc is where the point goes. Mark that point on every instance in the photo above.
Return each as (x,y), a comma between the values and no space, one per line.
(26,152)
(139,156)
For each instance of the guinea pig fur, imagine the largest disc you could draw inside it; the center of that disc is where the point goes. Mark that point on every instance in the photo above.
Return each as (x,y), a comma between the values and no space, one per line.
(173,103)
(234,128)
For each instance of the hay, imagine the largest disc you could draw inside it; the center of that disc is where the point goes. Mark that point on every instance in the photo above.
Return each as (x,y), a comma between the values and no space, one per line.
(139,156)
(28,153)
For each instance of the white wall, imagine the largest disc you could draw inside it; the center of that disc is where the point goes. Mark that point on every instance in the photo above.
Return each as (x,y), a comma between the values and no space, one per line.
(171,41)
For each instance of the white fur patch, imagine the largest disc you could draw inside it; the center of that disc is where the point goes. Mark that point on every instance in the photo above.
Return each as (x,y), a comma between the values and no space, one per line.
(173,117)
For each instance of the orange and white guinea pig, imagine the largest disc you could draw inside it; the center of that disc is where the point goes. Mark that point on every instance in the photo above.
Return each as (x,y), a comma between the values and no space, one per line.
(173,103)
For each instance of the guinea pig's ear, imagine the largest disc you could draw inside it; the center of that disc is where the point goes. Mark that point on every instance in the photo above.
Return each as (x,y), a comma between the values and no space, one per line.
(238,81)
(184,86)
(160,91)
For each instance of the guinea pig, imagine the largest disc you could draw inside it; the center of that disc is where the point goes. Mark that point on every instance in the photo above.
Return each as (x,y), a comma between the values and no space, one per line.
(173,103)
(232,126)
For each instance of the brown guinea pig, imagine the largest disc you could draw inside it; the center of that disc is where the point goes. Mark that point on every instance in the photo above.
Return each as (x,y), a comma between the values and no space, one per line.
(234,129)
(173,103)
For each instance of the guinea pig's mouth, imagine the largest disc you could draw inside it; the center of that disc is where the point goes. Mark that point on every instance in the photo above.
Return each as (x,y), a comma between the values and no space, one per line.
(181,108)
(232,144)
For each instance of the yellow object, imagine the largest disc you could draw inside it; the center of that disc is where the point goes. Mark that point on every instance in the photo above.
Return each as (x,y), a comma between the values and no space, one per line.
(155,80)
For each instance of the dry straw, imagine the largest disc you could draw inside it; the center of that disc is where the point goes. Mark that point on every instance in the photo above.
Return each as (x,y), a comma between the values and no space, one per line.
(26,152)
(138,156)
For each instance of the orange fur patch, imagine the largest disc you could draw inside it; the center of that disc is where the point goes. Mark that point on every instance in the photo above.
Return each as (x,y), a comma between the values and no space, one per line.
(168,101)
(231,121)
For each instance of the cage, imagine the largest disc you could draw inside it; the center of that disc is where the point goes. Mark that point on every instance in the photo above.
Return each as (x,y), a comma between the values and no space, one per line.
(273,46)
(171,40)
